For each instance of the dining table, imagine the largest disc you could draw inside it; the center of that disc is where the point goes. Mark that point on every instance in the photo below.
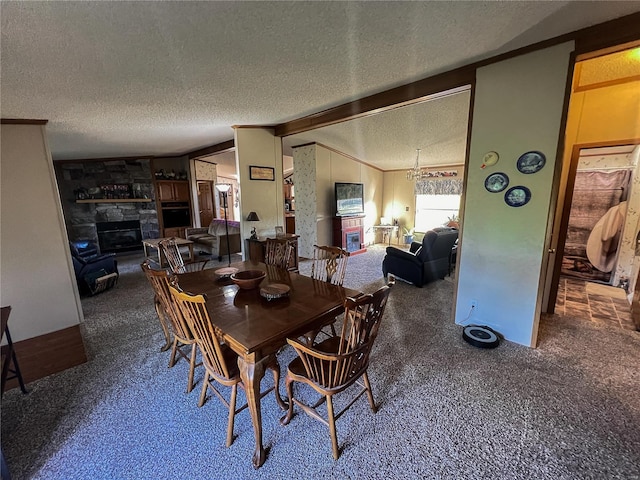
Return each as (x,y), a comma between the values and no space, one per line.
(256,326)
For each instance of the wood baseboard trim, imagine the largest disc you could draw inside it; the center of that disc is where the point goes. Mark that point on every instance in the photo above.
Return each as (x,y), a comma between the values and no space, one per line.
(46,354)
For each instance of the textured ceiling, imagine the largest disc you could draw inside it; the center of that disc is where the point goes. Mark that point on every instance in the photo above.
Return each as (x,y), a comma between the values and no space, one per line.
(164,78)
(616,66)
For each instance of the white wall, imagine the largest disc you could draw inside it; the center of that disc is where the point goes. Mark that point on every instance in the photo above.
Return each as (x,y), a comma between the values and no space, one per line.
(259,147)
(36,274)
(518,108)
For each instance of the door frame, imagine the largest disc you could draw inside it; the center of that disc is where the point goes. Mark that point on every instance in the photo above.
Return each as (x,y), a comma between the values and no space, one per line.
(566,210)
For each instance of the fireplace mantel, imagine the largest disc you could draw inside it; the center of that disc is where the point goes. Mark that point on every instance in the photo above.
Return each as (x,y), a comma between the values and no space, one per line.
(114,200)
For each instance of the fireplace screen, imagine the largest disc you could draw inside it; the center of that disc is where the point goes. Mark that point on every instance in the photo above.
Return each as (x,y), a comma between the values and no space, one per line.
(353,241)
(119,236)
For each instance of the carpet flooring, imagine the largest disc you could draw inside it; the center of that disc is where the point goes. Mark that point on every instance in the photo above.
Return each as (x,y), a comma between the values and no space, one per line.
(569,409)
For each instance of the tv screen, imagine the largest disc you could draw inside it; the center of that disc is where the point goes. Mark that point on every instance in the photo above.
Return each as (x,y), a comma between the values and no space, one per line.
(349,198)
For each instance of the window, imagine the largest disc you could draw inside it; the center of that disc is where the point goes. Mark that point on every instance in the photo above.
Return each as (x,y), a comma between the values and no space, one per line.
(435,210)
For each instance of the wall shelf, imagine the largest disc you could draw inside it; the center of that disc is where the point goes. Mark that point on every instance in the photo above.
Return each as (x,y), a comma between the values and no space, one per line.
(115,200)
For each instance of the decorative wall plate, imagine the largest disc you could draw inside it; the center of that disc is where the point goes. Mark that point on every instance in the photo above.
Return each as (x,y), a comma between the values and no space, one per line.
(496,182)
(517,196)
(489,159)
(531,162)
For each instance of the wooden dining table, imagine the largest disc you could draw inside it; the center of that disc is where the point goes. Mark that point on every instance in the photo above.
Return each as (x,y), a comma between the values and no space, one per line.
(256,328)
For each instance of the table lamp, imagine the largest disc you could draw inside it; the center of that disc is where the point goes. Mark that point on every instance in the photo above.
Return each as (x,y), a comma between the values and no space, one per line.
(253,217)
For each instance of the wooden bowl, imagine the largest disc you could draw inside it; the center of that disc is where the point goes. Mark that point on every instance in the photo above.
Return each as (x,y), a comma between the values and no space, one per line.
(248,279)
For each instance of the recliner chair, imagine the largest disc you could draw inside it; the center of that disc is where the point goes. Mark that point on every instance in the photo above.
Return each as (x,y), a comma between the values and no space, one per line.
(94,272)
(424,262)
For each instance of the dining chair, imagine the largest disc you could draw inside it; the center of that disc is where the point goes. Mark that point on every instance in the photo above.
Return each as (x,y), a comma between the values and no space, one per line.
(279,252)
(171,252)
(172,323)
(335,364)
(329,265)
(220,362)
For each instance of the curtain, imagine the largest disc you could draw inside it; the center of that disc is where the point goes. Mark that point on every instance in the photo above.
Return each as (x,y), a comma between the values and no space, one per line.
(431,186)
(595,192)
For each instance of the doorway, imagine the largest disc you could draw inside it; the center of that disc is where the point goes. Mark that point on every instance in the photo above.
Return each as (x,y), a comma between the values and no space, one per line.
(597,178)
(206,202)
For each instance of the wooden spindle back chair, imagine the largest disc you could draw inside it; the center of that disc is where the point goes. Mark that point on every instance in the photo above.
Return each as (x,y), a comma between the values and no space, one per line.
(337,363)
(279,252)
(172,322)
(220,362)
(171,252)
(329,264)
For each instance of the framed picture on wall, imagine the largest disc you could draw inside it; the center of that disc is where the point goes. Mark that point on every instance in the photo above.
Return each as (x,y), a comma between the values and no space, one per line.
(261,173)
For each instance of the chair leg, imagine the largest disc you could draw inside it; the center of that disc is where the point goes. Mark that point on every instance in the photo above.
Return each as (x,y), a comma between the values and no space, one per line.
(165,328)
(332,427)
(232,414)
(203,391)
(289,386)
(333,330)
(174,351)
(192,367)
(367,385)
(274,366)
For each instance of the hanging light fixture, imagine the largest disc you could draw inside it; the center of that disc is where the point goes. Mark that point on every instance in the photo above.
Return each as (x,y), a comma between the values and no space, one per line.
(415,173)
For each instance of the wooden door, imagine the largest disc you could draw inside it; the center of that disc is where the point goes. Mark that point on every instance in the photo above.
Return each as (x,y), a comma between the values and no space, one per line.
(205,202)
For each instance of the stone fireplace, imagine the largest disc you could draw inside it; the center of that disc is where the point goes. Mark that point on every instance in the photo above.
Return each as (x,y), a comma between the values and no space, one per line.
(84,186)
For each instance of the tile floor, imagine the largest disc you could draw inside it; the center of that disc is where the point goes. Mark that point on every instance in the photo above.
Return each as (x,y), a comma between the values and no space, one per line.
(574,299)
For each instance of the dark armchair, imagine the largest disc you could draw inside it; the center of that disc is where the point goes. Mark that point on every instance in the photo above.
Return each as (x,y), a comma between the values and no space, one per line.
(424,262)
(94,272)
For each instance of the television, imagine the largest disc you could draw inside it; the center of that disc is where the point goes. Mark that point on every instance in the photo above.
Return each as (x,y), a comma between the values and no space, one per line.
(349,199)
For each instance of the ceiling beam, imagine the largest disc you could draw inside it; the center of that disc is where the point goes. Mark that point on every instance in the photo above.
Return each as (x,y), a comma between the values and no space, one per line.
(213,149)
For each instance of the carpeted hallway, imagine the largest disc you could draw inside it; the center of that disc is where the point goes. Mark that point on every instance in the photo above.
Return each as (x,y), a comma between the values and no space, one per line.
(569,409)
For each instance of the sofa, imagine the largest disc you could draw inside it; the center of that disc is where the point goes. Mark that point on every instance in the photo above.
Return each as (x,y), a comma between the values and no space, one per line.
(424,262)
(213,239)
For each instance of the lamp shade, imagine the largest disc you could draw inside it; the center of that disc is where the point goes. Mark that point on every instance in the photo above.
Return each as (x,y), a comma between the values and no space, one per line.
(252,217)
(223,187)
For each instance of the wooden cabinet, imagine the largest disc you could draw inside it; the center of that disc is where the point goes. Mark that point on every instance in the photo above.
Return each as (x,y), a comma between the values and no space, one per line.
(290,223)
(289,199)
(173,190)
(174,232)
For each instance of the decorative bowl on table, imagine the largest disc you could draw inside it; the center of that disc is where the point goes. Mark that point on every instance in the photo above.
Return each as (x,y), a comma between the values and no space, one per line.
(273,291)
(248,279)
(225,272)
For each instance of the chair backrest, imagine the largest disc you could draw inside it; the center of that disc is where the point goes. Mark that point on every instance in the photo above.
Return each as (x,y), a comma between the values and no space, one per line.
(172,253)
(332,370)
(193,309)
(329,264)
(160,281)
(437,243)
(362,317)
(279,252)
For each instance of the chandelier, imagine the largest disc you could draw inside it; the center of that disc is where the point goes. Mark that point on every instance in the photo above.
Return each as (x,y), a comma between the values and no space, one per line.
(416,172)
